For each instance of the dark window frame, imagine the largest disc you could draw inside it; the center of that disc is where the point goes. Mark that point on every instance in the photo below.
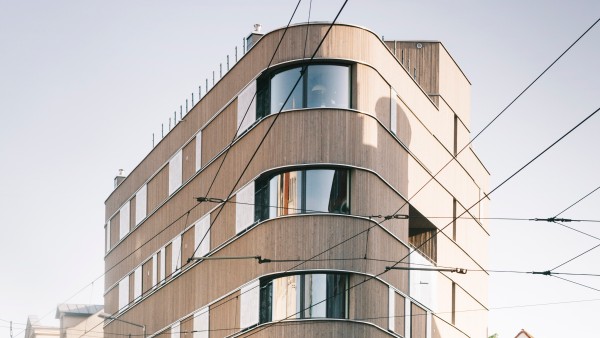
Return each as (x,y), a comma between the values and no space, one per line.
(266,296)
(263,92)
(262,191)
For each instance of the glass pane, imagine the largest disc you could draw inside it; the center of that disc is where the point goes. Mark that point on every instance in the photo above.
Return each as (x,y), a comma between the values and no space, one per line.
(316,287)
(336,296)
(318,187)
(266,301)
(339,200)
(281,86)
(288,193)
(285,303)
(328,86)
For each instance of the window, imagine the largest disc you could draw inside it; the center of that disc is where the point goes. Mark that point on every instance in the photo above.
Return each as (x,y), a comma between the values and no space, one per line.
(249,300)
(322,85)
(202,235)
(176,255)
(124,220)
(316,295)
(123,292)
(175,172)
(244,210)
(201,323)
(303,191)
(137,283)
(140,204)
(199,150)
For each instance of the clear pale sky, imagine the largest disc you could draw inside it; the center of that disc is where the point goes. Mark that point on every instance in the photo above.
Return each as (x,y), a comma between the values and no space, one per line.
(84,84)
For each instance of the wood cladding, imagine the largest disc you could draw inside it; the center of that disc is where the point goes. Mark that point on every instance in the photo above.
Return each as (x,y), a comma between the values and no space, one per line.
(361,45)
(317,328)
(306,142)
(279,238)
(147,276)
(418,325)
(224,316)
(422,63)
(188,161)
(298,137)
(158,188)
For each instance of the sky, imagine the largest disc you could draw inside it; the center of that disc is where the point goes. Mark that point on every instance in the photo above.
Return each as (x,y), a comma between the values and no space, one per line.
(85,84)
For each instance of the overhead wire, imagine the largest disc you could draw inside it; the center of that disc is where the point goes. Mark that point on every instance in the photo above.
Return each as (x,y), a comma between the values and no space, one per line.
(238,129)
(440,230)
(577,202)
(434,175)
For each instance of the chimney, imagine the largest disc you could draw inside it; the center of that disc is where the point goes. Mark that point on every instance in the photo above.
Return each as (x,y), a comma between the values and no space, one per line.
(254,36)
(119,178)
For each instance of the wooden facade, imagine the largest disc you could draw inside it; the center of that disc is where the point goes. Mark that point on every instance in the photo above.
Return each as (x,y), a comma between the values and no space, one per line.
(385,162)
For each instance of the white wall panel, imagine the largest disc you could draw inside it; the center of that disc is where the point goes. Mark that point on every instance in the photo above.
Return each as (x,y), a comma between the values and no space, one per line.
(249,304)
(201,230)
(244,213)
(246,99)
(175,172)
(141,202)
(124,216)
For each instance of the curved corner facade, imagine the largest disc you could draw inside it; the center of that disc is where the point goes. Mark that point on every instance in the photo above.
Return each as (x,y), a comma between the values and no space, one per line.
(302,245)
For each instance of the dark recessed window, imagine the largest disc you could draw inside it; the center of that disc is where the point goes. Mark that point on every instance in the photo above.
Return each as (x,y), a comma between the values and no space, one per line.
(302,191)
(318,295)
(321,85)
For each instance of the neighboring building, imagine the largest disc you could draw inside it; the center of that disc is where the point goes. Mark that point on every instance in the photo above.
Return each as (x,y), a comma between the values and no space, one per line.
(367,127)
(35,329)
(76,321)
(80,320)
(523,334)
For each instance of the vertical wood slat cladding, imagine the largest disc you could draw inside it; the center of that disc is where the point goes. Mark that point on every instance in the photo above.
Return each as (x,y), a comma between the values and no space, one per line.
(225,316)
(399,312)
(305,144)
(187,245)
(158,188)
(219,133)
(147,274)
(186,327)
(114,229)
(418,325)
(222,227)
(361,45)
(132,204)
(369,300)
(196,287)
(189,160)
(369,194)
(111,300)
(317,329)
(131,287)
(168,260)
(425,59)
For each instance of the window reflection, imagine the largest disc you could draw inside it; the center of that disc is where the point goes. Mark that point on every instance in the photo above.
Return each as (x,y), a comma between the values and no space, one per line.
(328,86)
(317,295)
(302,191)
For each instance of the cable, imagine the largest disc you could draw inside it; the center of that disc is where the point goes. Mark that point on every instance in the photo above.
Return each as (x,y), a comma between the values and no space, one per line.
(570,281)
(579,200)
(581,254)
(487,195)
(581,232)
(454,158)
(302,72)
(239,127)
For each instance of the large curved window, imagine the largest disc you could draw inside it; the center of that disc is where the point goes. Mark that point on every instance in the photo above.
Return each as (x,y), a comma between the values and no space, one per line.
(302,191)
(322,85)
(318,295)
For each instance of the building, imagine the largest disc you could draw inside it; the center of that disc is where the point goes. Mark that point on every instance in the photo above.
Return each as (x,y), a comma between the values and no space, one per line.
(80,320)
(35,329)
(369,123)
(523,334)
(76,321)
